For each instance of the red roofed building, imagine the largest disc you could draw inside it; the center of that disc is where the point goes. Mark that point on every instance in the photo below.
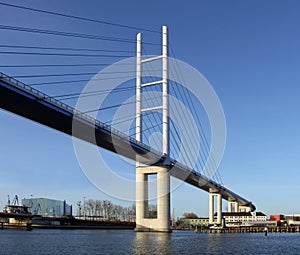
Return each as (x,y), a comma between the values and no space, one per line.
(277,218)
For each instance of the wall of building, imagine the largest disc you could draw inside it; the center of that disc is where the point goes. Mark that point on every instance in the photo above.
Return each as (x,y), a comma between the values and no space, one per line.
(48,207)
(247,219)
(194,222)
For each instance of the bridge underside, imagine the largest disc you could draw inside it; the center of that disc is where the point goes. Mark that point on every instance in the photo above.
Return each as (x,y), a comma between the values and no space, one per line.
(31,105)
(42,111)
(208,185)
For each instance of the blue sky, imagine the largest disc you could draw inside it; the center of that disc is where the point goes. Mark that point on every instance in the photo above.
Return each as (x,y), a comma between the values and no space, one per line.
(248,50)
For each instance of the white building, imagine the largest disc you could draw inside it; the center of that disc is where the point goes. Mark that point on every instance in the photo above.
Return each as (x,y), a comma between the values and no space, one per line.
(293,219)
(246,219)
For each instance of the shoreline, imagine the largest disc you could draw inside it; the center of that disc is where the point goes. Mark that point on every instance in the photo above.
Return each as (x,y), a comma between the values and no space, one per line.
(74,227)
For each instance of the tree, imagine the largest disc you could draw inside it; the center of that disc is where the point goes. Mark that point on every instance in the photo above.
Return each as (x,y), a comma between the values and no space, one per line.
(132,212)
(90,206)
(152,210)
(98,208)
(107,207)
(190,215)
(79,208)
(109,211)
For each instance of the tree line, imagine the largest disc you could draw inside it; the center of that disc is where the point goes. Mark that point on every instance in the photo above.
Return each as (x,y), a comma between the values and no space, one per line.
(106,210)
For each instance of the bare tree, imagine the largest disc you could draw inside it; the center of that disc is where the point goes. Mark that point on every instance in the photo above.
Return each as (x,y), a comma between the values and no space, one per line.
(131,213)
(152,209)
(108,210)
(98,208)
(79,208)
(90,205)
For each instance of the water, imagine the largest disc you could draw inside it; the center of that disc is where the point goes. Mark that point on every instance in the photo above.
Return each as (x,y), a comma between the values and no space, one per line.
(128,242)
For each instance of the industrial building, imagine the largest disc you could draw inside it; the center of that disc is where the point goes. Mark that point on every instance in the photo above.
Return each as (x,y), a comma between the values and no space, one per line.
(48,207)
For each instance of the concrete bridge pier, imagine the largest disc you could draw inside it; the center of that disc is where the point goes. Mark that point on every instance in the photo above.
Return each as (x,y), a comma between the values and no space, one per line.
(243,208)
(212,196)
(144,221)
(233,206)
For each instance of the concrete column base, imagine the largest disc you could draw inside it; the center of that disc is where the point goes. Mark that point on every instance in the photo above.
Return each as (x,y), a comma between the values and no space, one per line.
(162,222)
(152,229)
(212,196)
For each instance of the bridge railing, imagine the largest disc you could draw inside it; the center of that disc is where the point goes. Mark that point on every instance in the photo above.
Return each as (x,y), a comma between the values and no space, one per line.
(44,97)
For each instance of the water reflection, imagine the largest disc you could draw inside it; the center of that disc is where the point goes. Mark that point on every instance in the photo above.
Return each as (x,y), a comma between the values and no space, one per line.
(151,243)
(214,243)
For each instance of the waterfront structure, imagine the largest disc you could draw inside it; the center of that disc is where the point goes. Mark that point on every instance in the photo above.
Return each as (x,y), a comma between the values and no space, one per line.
(295,217)
(246,219)
(48,207)
(292,220)
(191,223)
(286,220)
(278,218)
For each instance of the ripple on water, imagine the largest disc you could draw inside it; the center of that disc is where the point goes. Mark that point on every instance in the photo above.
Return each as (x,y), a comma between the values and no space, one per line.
(40,242)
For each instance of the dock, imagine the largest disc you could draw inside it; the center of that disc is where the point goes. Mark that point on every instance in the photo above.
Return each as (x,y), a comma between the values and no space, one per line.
(254,229)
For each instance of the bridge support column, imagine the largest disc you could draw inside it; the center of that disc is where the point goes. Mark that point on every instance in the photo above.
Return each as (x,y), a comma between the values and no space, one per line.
(233,206)
(212,209)
(160,223)
(244,208)
(219,210)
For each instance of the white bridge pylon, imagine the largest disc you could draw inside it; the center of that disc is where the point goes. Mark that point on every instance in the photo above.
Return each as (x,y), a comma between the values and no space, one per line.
(161,221)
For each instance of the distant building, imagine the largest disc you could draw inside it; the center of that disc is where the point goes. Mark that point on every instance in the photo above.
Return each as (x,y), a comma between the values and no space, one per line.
(278,218)
(283,220)
(246,219)
(48,207)
(191,223)
(293,220)
(295,217)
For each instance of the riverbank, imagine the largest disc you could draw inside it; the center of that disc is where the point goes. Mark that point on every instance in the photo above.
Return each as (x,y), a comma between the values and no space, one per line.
(73,223)
(68,223)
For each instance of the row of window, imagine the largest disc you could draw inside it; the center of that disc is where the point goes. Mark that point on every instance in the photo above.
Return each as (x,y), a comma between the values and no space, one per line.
(258,218)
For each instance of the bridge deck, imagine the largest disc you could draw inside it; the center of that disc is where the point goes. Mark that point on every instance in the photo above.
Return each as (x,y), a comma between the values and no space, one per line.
(30,103)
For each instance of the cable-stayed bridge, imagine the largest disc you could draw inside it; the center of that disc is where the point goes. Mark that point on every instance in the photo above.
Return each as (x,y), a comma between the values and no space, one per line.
(30,103)
(24,100)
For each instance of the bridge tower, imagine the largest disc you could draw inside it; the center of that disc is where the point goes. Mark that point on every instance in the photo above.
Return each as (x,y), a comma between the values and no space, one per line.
(161,221)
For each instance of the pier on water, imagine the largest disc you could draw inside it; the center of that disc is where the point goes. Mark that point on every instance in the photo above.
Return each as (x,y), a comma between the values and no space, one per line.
(253,229)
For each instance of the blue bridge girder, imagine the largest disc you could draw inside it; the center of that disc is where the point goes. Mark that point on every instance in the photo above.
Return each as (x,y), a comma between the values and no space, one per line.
(25,101)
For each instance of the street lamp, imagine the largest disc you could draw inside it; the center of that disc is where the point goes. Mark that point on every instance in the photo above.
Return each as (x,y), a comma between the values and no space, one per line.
(84,207)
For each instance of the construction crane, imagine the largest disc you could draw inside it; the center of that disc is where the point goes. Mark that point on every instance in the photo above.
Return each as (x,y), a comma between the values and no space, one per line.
(15,200)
